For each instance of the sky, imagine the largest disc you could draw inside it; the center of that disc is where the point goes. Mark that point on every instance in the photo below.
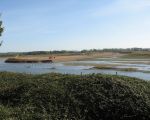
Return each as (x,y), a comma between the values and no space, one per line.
(35,25)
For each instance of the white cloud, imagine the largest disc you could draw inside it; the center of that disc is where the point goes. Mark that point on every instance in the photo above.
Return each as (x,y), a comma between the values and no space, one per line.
(122,6)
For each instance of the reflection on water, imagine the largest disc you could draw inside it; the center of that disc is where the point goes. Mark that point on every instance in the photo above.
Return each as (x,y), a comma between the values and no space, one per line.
(39,68)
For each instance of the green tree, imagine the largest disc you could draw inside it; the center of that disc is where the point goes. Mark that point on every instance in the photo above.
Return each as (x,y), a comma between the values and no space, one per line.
(1,30)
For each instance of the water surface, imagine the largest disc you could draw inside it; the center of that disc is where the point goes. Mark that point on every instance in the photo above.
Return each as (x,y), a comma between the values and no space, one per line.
(39,68)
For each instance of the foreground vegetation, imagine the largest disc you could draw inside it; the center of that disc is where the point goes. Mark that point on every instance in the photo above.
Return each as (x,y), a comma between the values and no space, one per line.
(72,97)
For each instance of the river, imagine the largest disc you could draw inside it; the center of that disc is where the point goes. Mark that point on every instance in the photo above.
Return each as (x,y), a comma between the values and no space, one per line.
(40,68)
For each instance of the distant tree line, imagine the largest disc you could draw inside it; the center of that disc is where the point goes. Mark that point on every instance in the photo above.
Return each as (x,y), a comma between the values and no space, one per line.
(67,52)
(50,52)
(56,52)
(120,50)
(126,50)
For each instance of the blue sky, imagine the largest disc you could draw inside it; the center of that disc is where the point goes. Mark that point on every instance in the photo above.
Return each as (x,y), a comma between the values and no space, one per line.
(32,25)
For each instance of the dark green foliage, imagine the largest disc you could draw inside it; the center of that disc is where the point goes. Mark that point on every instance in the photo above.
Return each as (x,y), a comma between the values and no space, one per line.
(72,97)
(1,28)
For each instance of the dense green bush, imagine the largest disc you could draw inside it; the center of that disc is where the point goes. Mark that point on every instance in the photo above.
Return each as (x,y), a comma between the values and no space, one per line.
(71,97)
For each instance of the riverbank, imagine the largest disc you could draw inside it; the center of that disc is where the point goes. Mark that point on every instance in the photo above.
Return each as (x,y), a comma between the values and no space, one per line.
(140,56)
(86,97)
(67,57)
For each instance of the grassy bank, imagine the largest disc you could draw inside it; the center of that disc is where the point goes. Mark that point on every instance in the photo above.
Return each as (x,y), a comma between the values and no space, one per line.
(65,57)
(138,55)
(115,68)
(105,67)
(21,60)
(72,97)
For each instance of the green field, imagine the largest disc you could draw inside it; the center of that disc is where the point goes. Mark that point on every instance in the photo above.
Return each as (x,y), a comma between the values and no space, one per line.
(73,97)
